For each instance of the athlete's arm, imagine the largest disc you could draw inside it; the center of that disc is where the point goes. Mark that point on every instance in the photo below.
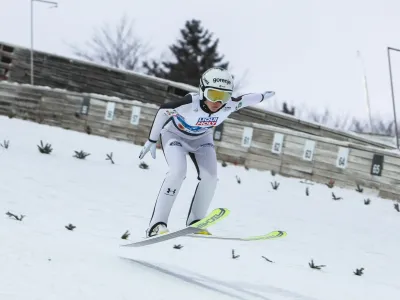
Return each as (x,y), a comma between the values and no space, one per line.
(164,113)
(253,98)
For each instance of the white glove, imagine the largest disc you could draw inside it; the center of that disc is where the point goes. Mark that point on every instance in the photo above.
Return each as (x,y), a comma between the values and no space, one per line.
(148,146)
(268,94)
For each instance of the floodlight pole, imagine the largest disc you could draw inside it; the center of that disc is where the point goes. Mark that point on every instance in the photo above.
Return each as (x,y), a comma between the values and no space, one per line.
(366,90)
(393,98)
(54,4)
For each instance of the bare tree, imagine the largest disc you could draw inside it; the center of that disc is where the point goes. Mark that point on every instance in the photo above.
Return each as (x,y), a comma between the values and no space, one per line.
(117,47)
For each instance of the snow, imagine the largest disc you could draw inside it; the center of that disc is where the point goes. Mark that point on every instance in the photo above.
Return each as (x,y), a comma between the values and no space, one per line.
(41,260)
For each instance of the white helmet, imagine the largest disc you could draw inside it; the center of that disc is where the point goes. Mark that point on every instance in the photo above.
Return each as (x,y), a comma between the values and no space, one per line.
(216,84)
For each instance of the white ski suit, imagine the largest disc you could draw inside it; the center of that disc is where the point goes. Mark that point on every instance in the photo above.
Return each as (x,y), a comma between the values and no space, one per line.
(185,127)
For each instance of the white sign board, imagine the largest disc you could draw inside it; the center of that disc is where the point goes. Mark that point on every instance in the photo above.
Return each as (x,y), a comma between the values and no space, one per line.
(277,143)
(110,111)
(308,152)
(343,154)
(247,136)
(135,117)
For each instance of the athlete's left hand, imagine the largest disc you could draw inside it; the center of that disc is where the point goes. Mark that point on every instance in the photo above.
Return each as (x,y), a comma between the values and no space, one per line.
(148,146)
(268,94)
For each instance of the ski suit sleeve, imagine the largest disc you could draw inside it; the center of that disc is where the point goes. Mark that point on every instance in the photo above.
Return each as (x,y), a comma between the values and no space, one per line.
(164,113)
(253,98)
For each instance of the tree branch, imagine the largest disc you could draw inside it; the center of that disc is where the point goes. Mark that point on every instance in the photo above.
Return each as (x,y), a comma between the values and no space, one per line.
(118,47)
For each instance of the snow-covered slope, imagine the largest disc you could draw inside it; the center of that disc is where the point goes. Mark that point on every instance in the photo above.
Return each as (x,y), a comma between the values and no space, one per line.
(41,260)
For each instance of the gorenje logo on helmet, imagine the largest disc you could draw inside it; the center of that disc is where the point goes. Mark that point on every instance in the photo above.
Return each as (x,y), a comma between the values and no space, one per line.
(226,81)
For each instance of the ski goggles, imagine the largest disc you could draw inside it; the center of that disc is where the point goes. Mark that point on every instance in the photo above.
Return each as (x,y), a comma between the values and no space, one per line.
(217,95)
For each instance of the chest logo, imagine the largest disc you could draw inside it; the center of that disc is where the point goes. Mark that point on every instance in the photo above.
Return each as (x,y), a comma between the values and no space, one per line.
(207,121)
(171,112)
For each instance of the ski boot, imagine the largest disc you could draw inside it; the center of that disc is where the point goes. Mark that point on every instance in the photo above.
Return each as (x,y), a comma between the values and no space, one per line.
(159,228)
(203,231)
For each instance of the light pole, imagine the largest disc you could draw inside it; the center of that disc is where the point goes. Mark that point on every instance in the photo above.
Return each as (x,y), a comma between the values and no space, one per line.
(391,86)
(366,89)
(54,4)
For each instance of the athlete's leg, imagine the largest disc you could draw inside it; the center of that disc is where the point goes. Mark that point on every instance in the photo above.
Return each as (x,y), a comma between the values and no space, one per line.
(205,160)
(175,155)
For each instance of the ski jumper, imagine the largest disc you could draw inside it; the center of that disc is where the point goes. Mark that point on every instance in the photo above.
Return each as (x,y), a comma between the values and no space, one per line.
(185,128)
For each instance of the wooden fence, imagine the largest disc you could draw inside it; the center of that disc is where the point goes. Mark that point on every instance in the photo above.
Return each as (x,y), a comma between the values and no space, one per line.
(84,77)
(259,146)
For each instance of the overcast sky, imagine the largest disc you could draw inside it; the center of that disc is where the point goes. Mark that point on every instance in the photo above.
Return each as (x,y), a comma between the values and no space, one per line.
(305,50)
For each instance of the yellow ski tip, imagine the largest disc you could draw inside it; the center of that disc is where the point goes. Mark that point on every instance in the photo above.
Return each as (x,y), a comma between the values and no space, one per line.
(215,216)
(270,235)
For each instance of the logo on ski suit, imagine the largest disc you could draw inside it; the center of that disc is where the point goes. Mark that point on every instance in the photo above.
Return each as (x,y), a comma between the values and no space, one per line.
(170,112)
(207,121)
(182,125)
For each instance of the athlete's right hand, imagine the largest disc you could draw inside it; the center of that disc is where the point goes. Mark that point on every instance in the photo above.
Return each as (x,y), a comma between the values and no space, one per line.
(149,145)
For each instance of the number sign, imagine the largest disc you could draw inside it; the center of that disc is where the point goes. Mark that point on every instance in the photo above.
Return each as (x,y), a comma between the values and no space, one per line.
(277,143)
(85,106)
(135,117)
(377,165)
(342,157)
(308,152)
(247,136)
(110,111)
